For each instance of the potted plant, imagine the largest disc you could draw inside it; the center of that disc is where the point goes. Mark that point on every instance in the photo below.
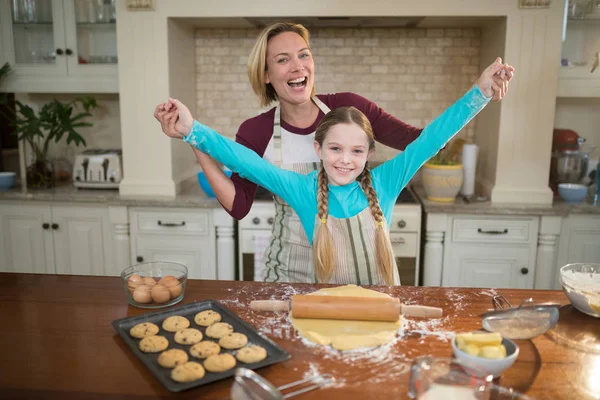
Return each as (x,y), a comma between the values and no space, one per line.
(53,121)
(443,174)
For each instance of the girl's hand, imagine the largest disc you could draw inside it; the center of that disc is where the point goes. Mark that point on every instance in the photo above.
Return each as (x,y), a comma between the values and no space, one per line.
(175,118)
(494,80)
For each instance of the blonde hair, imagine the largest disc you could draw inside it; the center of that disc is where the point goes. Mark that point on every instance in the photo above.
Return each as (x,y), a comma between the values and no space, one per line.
(257,61)
(323,245)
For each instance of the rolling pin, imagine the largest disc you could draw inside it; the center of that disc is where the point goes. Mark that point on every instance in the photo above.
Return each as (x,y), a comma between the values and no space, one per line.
(346,308)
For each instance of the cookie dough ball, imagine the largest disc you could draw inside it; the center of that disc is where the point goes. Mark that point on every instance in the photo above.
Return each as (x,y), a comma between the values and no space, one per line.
(188,336)
(175,323)
(218,330)
(251,354)
(172,358)
(207,318)
(205,349)
(143,330)
(219,362)
(233,341)
(154,344)
(190,371)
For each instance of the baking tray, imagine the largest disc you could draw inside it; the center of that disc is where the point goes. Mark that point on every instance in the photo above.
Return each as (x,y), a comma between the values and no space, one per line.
(275,353)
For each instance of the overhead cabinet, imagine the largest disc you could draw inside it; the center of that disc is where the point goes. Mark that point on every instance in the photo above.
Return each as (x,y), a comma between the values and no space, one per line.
(59,46)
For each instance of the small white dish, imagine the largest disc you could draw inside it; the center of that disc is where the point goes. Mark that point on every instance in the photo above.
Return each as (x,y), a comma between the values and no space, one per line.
(493,366)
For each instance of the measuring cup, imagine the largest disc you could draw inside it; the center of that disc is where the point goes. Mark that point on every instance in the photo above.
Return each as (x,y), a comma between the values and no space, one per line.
(526,321)
(248,385)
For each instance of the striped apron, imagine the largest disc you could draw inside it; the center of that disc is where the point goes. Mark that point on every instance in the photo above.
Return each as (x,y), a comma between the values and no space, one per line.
(354,250)
(289,255)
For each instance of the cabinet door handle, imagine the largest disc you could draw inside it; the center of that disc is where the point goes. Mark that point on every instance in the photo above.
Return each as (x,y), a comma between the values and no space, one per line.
(401,224)
(492,232)
(59,52)
(524,271)
(55,226)
(69,52)
(256,220)
(270,221)
(398,241)
(139,259)
(170,224)
(45,225)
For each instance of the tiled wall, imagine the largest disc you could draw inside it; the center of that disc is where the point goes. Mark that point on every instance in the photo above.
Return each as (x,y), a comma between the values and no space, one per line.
(414,74)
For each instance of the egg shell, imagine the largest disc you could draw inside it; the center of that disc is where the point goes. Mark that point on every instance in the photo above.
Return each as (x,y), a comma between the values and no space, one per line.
(133,281)
(160,294)
(142,294)
(149,281)
(172,284)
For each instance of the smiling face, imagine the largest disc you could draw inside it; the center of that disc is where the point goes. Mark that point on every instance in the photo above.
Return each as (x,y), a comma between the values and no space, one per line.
(290,68)
(344,152)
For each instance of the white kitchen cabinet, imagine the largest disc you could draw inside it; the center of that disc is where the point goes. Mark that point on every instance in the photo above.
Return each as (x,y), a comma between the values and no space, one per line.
(56,238)
(581,44)
(59,46)
(579,242)
(488,251)
(182,235)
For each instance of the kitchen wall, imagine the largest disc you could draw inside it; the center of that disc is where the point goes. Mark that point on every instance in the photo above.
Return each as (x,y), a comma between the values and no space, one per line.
(414,74)
(105,133)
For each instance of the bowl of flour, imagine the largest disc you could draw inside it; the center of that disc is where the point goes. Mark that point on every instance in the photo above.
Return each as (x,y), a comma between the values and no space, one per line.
(581,283)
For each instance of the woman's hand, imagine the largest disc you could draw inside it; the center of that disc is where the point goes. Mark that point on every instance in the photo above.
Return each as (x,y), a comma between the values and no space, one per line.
(494,80)
(175,118)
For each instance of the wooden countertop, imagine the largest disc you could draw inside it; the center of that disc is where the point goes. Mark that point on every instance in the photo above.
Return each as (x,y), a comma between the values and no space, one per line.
(58,342)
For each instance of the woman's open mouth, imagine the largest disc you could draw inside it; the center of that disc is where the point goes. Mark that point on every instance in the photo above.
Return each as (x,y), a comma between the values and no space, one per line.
(298,83)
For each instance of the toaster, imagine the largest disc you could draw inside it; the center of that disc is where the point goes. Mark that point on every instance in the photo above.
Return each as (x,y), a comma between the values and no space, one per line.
(98,168)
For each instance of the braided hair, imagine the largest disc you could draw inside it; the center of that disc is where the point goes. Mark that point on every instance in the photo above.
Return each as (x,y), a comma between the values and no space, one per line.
(323,244)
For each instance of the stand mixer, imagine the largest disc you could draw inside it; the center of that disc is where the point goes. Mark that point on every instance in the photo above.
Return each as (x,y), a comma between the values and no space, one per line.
(569,162)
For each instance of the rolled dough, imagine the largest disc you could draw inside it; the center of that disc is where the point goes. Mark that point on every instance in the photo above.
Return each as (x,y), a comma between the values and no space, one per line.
(344,334)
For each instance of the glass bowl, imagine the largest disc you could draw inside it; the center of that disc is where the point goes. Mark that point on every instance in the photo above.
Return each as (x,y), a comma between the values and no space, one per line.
(493,366)
(581,283)
(154,284)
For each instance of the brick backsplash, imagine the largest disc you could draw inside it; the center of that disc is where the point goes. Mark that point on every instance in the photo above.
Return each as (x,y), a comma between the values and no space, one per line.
(413,74)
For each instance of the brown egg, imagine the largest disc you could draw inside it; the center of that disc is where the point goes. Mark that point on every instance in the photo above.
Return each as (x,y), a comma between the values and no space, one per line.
(149,281)
(160,294)
(172,284)
(142,294)
(133,281)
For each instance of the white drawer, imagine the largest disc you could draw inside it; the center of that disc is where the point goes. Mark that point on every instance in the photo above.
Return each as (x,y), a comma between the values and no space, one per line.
(406,219)
(404,244)
(171,222)
(494,230)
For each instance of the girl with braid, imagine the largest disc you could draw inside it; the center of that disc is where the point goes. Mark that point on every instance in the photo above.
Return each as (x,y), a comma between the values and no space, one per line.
(344,207)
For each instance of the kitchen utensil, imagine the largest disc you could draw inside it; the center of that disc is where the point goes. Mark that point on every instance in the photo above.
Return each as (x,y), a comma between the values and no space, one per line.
(134,277)
(581,283)
(7,180)
(275,353)
(568,166)
(524,322)
(248,385)
(573,193)
(98,168)
(493,366)
(346,308)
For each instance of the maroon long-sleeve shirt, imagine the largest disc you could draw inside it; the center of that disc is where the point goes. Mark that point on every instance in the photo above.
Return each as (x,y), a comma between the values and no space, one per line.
(255,133)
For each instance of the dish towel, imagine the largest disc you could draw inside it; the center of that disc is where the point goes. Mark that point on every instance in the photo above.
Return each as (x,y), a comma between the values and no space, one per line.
(260,241)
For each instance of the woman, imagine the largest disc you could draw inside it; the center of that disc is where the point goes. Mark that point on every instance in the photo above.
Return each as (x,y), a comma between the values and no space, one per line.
(281,68)
(344,208)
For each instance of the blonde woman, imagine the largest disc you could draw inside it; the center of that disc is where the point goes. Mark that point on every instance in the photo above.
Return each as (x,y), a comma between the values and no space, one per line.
(344,207)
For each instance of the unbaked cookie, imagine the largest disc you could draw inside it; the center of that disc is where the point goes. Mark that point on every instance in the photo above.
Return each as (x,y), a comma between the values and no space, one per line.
(143,330)
(190,371)
(218,330)
(172,358)
(233,340)
(205,349)
(153,344)
(251,354)
(175,323)
(188,336)
(207,318)
(219,362)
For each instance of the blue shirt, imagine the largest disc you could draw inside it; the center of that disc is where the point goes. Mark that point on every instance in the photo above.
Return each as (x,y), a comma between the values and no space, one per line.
(300,191)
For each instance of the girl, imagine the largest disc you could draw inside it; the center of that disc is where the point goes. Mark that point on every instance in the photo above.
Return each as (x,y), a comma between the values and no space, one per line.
(281,69)
(344,208)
